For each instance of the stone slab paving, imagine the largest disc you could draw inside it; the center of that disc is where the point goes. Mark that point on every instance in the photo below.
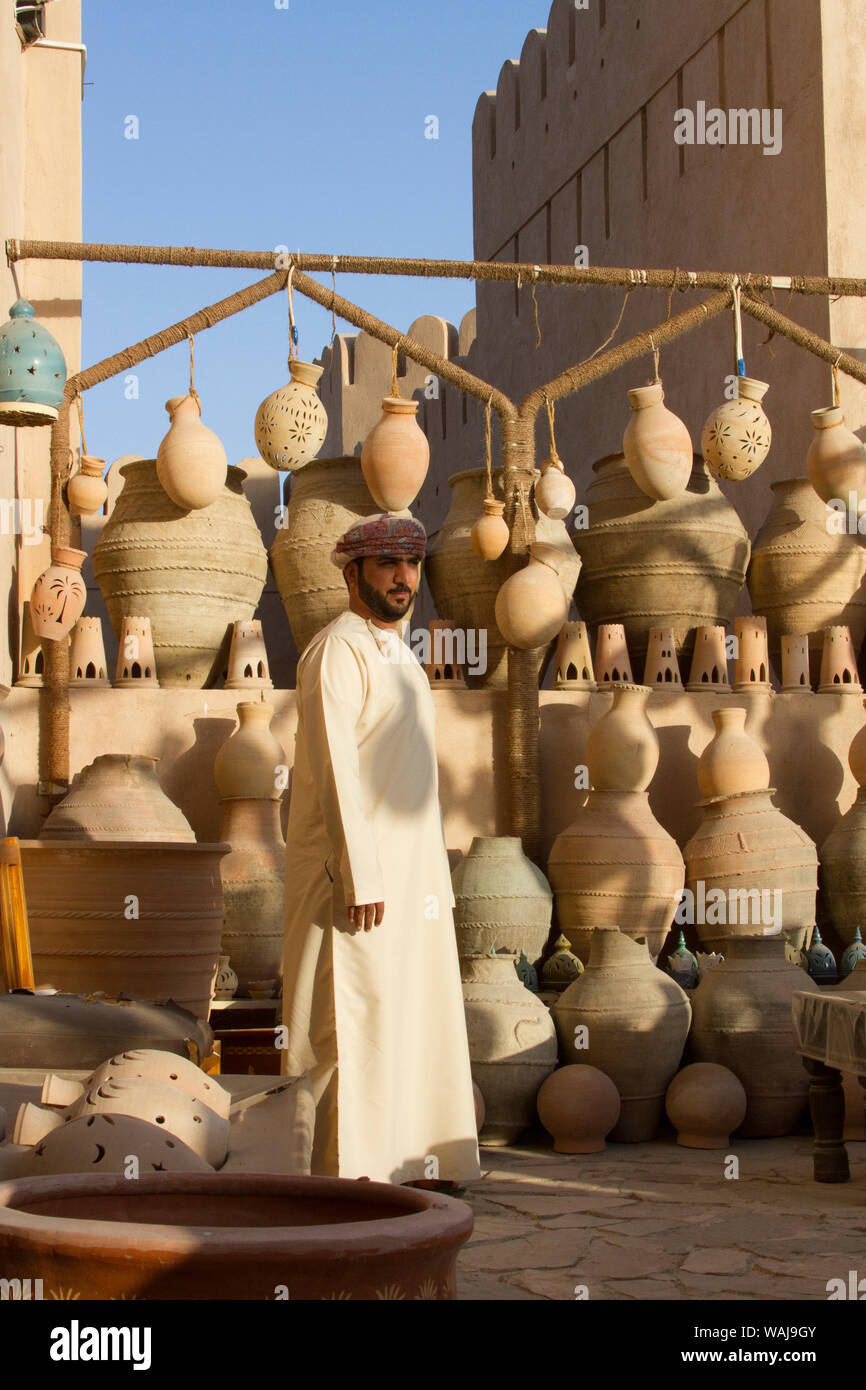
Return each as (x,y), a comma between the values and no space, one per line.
(656,1221)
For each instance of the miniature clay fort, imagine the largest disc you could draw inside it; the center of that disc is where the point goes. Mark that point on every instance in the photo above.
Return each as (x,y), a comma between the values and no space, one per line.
(640,614)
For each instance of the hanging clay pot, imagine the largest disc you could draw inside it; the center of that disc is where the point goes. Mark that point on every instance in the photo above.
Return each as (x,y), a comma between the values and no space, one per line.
(117,797)
(87,489)
(806,574)
(605,1019)
(59,595)
(736,437)
(554,492)
(678,564)
(732,761)
(836,461)
(396,455)
(532,604)
(512,1044)
(705,1103)
(32,370)
(191,462)
(291,423)
(742,1020)
(502,901)
(489,535)
(579,1106)
(622,750)
(656,444)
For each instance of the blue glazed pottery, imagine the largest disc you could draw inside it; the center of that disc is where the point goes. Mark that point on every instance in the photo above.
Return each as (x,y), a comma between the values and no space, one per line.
(822,962)
(32,370)
(850,956)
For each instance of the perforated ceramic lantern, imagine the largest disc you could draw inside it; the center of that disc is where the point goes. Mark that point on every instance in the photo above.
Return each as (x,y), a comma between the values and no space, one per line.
(291,423)
(32,370)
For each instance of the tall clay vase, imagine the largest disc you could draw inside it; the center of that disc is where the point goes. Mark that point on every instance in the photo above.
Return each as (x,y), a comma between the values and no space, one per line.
(59,595)
(291,423)
(532,604)
(512,1045)
(805,573)
(191,462)
(396,455)
(656,444)
(622,750)
(192,573)
(502,902)
(253,884)
(679,563)
(836,461)
(742,1020)
(736,437)
(843,854)
(732,761)
(465,587)
(249,762)
(631,1021)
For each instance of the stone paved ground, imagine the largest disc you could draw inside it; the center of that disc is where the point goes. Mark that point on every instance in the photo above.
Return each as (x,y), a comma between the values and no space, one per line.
(656,1221)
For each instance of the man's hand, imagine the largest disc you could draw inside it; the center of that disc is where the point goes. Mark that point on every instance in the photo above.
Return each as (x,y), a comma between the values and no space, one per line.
(366,915)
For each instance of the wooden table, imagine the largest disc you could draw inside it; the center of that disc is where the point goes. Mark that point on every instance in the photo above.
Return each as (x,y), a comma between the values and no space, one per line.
(830,1033)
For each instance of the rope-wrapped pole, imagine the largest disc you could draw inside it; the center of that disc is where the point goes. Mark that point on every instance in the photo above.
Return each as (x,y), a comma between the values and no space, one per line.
(804,338)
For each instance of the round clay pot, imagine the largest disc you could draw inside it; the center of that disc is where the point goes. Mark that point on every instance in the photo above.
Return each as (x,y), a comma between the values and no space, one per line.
(705,1103)
(253,883)
(742,1021)
(803,576)
(677,564)
(248,763)
(736,437)
(193,573)
(512,1044)
(103,1144)
(160,1103)
(69,1030)
(191,462)
(87,489)
(656,445)
(532,604)
(489,536)
(502,902)
(59,595)
(836,461)
(622,750)
(745,846)
(732,761)
(579,1106)
(620,1001)
(117,797)
(615,865)
(395,455)
(215,1236)
(291,423)
(554,493)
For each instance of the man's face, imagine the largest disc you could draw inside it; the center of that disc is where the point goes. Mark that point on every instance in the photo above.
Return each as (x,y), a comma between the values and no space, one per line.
(386,584)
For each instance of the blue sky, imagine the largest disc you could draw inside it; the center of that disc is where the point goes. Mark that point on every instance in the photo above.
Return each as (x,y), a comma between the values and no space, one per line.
(258,126)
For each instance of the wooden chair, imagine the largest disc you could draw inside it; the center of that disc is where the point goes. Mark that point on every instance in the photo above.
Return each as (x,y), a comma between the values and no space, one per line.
(15,958)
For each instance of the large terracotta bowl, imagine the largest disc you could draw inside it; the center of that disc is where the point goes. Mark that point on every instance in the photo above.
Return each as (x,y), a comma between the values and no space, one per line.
(230,1236)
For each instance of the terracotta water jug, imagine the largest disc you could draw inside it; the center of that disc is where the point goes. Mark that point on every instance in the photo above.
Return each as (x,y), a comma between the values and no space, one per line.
(291,423)
(736,437)
(622,750)
(489,535)
(554,492)
(502,901)
(630,1020)
(742,1020)
(836,461)
(532,604)
(191,462)
(656,444)
(732,761)
(59,595)
(396,455)
(87,489)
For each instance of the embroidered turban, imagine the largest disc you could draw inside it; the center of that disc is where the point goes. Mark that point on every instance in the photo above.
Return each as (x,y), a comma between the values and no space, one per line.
(384,534)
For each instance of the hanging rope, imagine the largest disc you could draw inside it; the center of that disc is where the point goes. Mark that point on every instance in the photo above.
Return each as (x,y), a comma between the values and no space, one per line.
(192,390)
(612,333)
(738,327)
(555,460)
(535,306)
(836,396)
(395,389)
(80,405)
(487,446)
(655,353)
(671,293)
(293,331)
(334,287)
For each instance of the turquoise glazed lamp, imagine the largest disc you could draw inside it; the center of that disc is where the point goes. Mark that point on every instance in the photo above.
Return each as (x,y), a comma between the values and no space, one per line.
(683,966)
(32,370)
(850,956)
(822,962)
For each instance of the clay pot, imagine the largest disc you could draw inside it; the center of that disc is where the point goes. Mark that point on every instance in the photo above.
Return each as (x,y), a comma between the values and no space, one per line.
(678,563)
(752,662)
(839,674)
(238,1236)
(579,1106)
(87,489)
(465,588)
(103,1144)
(656,445)
(155,1065)
(136,660)
(615,866)
(59,595)
(857,754)
(804,577)
(67,1030)
(622,750)
(502,902)
(117,797)
(253,884)
(489,536)
(620,1001)
(745,845)
(248,763)
(87,664)
(736,437)
(573,668)
(291,423)
(396,455)
(709,669)
(662,668)
(843,870)
(795,664)
(192,573)
(512,1045)
(32,1124)
(742,1020)
(732,761)
(836,461)
(225,985)
(248,658)
(705,1103)
(191,462)
(554,492)
(160,1103)
(78,897)
(444,666)
(532,604)
(612,662)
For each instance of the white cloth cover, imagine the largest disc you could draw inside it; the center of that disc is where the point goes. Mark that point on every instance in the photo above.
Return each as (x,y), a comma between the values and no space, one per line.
(376,1017)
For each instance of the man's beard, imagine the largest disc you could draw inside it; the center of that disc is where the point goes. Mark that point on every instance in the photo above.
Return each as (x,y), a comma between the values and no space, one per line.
(380,604)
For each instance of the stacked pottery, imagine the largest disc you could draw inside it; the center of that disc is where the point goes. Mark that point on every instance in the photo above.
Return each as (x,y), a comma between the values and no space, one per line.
(615,865)
(191,462)
(502,902)
(843,854)
(246,771)
(677,564)
(806,573)
(742,1020)
(192,573)
(631,1021)
(465,587)
(748,868)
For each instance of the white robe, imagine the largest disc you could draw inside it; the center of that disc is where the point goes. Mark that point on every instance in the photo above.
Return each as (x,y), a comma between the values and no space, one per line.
(376,1017)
